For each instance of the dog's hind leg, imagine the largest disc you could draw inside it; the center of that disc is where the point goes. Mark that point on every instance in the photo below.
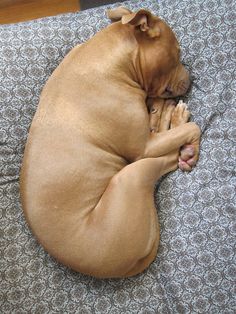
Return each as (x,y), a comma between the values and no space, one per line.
(123,227)
(125,220)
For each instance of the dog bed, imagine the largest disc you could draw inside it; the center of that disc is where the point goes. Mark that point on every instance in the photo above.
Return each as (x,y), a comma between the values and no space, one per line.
(195,270)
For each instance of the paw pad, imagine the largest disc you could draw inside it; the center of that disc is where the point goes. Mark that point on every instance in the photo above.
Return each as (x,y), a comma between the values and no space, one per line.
(188,158)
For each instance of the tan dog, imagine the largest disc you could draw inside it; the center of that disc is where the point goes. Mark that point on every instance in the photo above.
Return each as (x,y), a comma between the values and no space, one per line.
(91,162)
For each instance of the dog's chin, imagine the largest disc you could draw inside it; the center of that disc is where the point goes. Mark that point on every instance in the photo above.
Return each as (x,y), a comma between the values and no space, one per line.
(164,95)
(167,96)
(168,92)
(171,94)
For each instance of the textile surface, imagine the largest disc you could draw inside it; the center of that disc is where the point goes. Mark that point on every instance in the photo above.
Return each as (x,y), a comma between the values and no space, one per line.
(195,270)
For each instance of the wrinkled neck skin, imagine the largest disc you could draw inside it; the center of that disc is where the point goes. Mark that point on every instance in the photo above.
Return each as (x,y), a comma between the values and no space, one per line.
(144,75)
(136,66)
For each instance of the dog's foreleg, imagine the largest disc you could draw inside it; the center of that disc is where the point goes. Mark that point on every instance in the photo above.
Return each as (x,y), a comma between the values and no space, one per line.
(174,134)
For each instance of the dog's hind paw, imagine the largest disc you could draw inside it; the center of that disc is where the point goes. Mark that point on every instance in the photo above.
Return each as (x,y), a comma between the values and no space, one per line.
(188,157)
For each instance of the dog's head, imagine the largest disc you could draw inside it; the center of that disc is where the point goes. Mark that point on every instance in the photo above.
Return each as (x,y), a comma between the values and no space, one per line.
(160,71)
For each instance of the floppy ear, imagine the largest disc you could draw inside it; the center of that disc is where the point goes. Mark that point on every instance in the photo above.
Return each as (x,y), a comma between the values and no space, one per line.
(117,14)
(143,20)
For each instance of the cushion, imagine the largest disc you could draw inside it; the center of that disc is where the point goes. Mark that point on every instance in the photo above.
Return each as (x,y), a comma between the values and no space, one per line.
(195,269)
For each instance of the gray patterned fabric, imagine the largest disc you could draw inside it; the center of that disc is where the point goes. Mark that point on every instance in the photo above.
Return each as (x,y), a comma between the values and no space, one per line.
(195,271)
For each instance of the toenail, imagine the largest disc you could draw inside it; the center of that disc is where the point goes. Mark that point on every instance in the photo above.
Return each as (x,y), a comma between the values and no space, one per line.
(191,162)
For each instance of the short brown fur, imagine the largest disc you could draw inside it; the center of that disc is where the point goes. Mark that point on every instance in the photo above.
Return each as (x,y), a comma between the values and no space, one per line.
(91,162)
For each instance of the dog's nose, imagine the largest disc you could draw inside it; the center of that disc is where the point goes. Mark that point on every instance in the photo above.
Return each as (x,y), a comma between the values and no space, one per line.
(184,82)
(183,86)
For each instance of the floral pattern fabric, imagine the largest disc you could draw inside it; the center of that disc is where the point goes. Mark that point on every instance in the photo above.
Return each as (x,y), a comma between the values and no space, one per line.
(195,270)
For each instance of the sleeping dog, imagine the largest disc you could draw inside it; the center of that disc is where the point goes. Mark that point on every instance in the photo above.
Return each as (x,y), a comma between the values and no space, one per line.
(93,153)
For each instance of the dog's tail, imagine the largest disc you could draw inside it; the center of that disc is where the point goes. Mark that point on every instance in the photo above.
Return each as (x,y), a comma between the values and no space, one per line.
(116,14)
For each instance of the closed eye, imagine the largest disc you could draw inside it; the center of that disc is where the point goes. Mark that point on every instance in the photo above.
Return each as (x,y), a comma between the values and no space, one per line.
(168,91)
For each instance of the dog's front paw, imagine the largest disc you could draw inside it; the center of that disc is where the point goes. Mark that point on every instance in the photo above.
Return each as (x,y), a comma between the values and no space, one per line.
(180,115)
(189,153)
